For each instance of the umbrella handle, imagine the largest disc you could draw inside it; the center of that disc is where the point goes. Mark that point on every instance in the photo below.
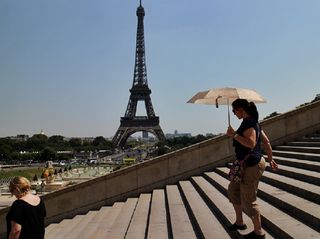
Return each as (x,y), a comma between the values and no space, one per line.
(228,113)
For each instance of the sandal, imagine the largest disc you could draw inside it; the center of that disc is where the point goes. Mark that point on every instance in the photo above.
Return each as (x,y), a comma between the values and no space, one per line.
(253,235)
(235,227)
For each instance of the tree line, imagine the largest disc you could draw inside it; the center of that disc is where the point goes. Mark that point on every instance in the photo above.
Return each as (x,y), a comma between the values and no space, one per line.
(179,142)
(39,147)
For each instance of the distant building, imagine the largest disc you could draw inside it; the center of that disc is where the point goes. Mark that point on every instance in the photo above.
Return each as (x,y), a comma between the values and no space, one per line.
(145,135)
(88,139)
(177,134)
(20,137)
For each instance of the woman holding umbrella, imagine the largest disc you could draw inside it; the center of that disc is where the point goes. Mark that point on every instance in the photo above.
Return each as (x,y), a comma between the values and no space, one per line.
(246,141)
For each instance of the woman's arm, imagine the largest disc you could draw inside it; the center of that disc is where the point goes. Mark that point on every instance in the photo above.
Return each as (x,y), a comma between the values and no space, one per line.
(268,149)
(15,230)
(267,145)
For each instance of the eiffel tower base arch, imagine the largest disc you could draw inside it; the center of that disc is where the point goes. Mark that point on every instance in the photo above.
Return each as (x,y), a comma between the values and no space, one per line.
(137,124)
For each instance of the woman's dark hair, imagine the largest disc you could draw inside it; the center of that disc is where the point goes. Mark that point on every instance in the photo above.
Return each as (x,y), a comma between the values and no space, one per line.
(248,107)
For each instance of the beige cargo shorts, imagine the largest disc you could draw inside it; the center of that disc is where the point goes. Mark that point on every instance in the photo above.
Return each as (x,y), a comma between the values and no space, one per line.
(245,193)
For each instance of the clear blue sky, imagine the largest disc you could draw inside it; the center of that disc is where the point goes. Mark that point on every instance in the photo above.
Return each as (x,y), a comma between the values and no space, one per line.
(66,66)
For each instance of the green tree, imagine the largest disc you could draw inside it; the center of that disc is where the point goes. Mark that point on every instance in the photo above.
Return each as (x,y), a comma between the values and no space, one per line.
(19,145)
(37,142)
(316,98)
(200,138)
(101,143)
(5,150)
(75,143)
(64,157)
(26,156)
(57,142)
(87,146)
(272,115)
(48,154)
(15,156)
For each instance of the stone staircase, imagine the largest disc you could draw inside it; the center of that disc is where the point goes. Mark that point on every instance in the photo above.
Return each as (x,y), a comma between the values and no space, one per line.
(198,208)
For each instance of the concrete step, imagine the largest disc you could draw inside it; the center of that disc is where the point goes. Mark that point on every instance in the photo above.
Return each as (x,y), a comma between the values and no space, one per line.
(158,224)
(54,230)
(310,139)
(101,225)
(297,207)
(302,189)
(206,224)
(220,205)
(298,163)
(83,222)
(297,173)
(274,220)
(301,209)
(49,228)
(297,155)
(304,144)
(180,222)
(61,229)
(139,222)
(312,150)
(314,135)
(119,227)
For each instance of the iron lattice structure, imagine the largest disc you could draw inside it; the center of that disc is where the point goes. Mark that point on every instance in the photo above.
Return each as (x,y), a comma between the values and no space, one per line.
(130,123)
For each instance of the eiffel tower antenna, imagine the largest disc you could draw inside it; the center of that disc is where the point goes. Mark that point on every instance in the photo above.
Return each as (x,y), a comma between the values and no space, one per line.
(130,123)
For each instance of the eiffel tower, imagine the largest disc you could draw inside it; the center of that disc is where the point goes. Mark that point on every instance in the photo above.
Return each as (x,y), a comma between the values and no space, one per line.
(130,123)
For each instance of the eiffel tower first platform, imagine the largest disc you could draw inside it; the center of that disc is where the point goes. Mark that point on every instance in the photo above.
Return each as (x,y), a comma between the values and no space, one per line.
(130,123)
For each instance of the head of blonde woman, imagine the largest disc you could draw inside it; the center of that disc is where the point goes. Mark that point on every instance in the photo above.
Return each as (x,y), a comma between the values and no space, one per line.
(19,186)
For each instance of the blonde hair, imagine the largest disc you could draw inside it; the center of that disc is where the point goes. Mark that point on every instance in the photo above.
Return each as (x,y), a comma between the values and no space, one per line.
(20,184)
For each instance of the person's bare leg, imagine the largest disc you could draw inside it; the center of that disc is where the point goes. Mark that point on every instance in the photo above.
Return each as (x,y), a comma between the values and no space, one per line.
(256,220)
(238,210)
